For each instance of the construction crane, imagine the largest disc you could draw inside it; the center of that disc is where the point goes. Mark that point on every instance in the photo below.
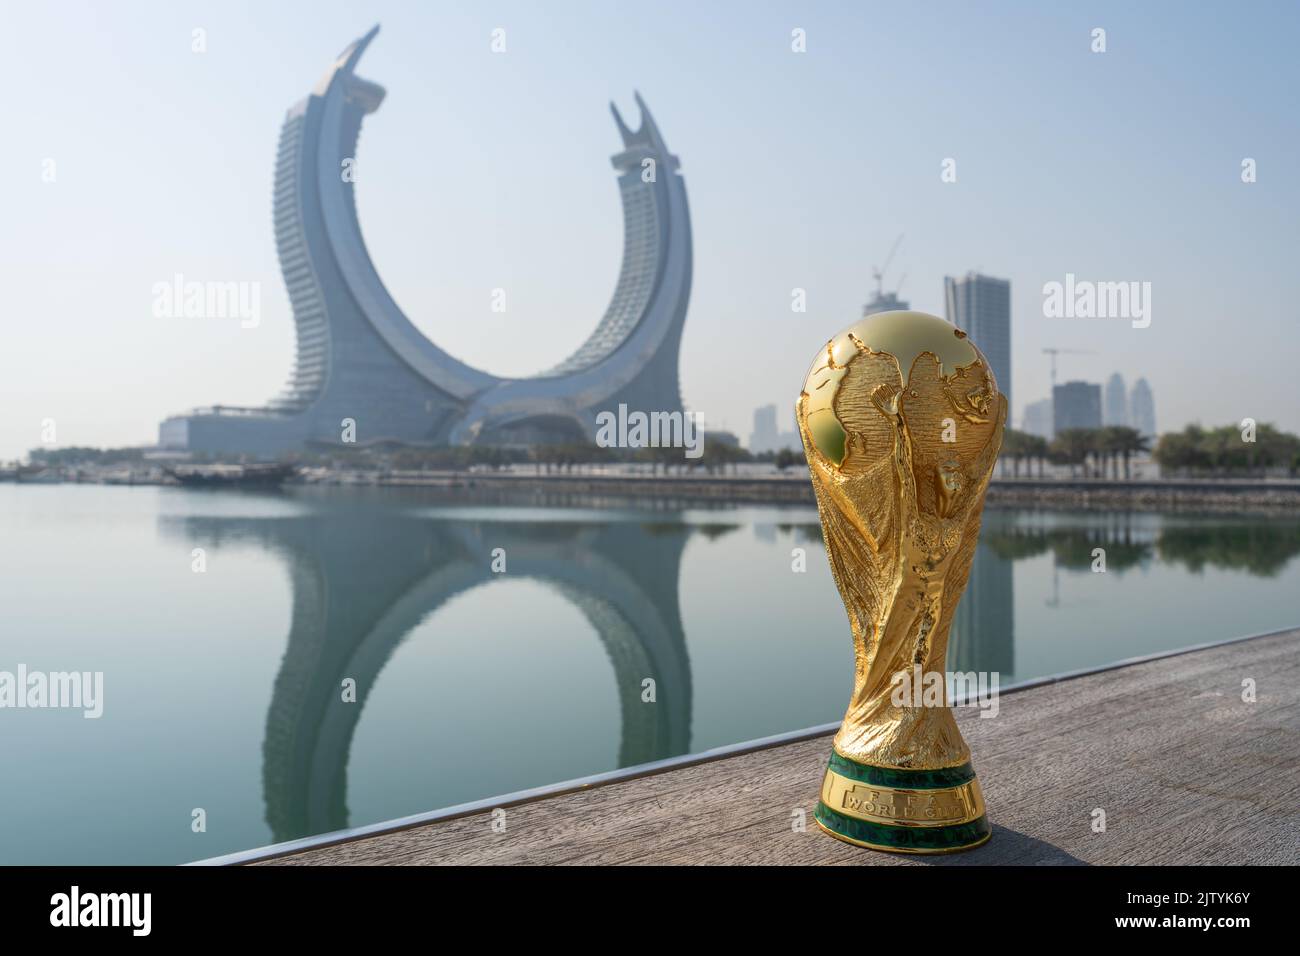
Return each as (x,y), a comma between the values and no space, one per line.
(1055,352)
(878,272)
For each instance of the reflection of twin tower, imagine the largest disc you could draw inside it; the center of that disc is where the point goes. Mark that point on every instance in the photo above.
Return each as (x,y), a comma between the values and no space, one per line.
(359,358)
(362,582)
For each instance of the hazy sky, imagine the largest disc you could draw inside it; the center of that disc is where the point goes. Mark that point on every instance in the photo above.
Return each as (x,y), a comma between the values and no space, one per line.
(486,170)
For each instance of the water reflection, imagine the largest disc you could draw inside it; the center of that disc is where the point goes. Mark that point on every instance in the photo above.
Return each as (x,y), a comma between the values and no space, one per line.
(983,633)
(363,579)
(1256,546)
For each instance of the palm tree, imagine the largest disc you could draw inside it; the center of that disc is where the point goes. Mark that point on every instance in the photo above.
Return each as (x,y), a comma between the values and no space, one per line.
(1038,448)
(1097,451)
(1107,446)
(1016,446)
(1129,441)
(1072,447)
(787,457)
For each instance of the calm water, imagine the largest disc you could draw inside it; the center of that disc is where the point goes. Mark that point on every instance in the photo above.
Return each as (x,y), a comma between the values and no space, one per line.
(222,689)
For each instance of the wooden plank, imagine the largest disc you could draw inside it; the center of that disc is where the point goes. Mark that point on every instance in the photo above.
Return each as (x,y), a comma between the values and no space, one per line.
(1185,770)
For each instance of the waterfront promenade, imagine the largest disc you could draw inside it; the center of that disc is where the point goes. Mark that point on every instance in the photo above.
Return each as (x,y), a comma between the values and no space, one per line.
(1184,770)
(744,485)
(794,487)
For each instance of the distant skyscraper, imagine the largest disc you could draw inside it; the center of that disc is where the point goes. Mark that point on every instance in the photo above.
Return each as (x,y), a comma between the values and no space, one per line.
(766,436)
(1142,408)
(981,306)
(886,302)
(1114,409)
(1038,418)
(764,433)
(1076,405)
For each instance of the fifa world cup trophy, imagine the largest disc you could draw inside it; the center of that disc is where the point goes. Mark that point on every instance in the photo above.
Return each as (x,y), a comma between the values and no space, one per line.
(901,422)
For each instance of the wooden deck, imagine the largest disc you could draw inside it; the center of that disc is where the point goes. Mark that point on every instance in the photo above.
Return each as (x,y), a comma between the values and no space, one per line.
(1185,771)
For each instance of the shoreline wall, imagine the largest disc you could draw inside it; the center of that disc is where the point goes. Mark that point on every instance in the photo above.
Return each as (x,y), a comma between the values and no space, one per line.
(1172,494)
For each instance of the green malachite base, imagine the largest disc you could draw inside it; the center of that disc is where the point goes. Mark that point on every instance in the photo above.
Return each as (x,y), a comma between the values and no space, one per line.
(940,779)
(879,835)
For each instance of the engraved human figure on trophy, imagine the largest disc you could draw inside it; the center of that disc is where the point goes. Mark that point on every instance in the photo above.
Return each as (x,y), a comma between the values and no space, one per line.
(901,421)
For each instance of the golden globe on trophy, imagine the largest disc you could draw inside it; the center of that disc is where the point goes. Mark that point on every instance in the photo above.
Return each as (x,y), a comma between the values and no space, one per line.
(901,422)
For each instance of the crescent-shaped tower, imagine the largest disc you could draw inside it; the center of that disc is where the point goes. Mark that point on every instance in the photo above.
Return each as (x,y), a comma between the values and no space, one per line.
(359,358)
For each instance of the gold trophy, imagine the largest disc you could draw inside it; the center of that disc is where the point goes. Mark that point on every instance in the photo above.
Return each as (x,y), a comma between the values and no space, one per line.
(901,422)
